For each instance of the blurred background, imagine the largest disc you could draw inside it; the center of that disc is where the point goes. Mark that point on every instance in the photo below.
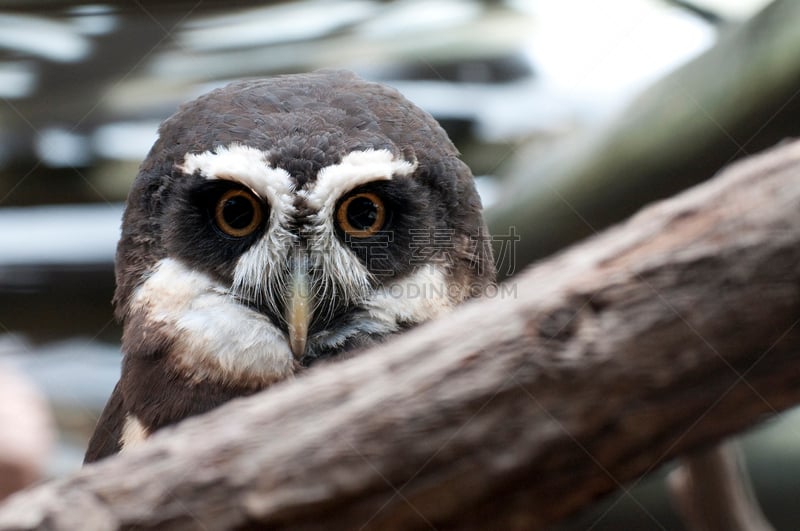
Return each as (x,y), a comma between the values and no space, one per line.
(571,113)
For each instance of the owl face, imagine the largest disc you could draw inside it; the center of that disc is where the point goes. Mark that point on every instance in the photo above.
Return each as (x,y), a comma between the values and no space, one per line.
(279,222)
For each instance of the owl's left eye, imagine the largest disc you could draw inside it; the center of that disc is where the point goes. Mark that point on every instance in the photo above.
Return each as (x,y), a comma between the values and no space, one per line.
(361,215)
(238,213)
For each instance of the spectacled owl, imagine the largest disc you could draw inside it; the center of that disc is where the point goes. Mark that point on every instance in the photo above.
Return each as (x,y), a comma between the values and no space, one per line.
(279,222)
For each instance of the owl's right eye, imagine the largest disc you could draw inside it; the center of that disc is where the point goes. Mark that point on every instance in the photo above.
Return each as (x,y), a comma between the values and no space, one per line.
(238,213)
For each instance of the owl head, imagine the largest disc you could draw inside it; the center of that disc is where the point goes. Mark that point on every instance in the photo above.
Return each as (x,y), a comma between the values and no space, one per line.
(282,221)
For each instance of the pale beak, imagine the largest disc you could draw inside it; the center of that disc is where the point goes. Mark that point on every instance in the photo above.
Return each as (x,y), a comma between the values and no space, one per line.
(298,307)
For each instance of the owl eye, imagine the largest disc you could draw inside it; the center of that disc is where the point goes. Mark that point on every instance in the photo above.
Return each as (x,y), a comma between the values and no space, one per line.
(238,213)
(361,215)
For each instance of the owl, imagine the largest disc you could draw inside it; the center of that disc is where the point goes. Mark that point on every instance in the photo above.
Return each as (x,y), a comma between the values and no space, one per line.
(277,223)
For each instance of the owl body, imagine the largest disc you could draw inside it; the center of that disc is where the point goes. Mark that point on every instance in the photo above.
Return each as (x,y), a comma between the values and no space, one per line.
(276,223)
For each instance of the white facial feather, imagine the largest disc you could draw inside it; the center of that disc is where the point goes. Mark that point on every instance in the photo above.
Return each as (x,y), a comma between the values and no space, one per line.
(422,296)
(133,433)
(216,336)
(416,298)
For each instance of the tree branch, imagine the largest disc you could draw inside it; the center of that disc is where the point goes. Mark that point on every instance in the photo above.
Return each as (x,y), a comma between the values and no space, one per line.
(712,491)
(662,335)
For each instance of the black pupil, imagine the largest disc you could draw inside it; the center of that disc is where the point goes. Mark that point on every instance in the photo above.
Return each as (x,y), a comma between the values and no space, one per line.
(362,213)
(238,212)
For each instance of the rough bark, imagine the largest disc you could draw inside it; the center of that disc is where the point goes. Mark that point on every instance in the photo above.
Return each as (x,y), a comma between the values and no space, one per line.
(658,337)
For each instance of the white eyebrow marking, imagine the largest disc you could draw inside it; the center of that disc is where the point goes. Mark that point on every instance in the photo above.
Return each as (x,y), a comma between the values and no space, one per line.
(248,166)
(355,169)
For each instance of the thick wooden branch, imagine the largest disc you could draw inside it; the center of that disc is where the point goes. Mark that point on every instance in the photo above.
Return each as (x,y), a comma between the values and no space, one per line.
(658,337)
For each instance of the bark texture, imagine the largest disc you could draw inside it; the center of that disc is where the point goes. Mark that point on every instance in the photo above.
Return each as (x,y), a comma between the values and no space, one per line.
(660,336)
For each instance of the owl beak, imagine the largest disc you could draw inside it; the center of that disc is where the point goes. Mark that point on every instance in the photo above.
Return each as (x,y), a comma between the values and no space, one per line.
(298,309)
